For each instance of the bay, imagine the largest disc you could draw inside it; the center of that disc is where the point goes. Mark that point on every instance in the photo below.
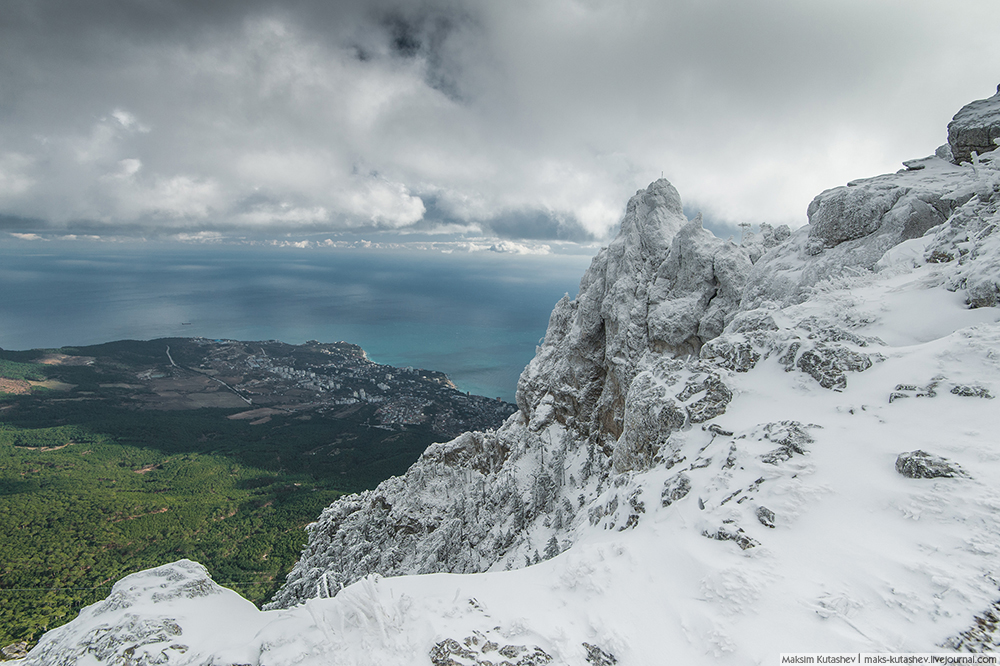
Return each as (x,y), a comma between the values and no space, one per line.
(475,316)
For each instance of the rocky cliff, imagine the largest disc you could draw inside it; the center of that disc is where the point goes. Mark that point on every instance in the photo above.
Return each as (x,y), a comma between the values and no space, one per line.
(641,354)
(505,499)
(784,445)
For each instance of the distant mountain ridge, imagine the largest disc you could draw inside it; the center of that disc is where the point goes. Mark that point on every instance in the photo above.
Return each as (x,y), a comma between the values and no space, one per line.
(725,451)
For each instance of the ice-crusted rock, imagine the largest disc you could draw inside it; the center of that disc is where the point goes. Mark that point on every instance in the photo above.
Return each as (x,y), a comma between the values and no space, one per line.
(852,226)
(922,465)
(592,344)
(667,395)
(971,236)
(756,245)
(123,630)
(602,395)
(695,291)
(982,636)
(675,488)
(975,128)
(666,287)
(824,351)
(459,508)
(972,391)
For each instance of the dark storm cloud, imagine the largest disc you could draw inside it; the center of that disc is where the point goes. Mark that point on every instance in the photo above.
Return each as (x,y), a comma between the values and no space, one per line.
(537,225)
(518,119)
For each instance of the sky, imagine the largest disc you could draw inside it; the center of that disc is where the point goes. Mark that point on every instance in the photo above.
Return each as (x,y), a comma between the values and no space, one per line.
(531,121)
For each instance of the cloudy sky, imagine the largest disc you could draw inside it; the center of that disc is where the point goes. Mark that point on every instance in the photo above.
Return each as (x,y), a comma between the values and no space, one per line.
(523,119)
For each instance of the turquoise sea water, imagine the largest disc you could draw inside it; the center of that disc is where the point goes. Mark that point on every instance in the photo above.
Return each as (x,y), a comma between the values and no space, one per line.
(476,317)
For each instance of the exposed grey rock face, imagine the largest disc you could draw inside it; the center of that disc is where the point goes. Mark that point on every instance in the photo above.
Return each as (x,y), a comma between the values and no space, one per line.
(664,285)
(695,291)
(852,226)
(667,395)
(976,127)
(602,396)
(486,650)
(972,391)
(791,438)
(676,488)
(598,657)
(970,237)
(765,516)
(120,629)
(641,356)
(756,245)
(728,531)
(982,636)
(922,465)
(825,352)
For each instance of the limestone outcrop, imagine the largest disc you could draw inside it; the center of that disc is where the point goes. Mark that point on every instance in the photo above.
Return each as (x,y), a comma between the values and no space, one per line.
(975,128)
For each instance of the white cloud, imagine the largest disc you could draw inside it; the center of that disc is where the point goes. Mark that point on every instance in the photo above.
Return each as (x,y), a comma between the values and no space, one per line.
(382,203)
(128,121)
(443,114)
(14,175)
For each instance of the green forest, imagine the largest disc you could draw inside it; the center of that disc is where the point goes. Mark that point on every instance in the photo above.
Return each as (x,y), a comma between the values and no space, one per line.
(92,489)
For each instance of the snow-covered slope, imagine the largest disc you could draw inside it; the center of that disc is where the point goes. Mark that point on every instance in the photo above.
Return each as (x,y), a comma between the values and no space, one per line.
(721,453)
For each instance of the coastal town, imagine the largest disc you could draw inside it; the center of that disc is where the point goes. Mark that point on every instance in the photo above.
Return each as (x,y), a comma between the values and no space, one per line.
(336,378)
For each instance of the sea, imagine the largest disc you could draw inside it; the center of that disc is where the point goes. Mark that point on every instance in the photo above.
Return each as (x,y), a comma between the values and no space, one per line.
(476,316)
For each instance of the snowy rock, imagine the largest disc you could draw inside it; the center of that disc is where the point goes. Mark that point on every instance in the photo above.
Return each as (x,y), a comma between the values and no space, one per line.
(828,364)
(667,395)
(922,465)
(121,630)
(970,239)
(982,636)
(730,532)
(598,657)
(791,438)
(823,351)
(480,650)
(676,488)
(765,516)
(756,245)
(696,290)
(664,285)
(851,227)
(17,650)
(976,127)
(972,391)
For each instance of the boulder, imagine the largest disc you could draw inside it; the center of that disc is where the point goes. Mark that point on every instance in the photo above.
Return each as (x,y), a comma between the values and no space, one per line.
(976,127)
(922,465)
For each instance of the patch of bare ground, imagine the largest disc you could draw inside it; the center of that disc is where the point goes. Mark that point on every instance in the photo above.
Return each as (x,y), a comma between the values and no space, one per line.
(47,448)
(65,359)
(14,386)
(346,411)
(147,468)
(53,385)
(190,391)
